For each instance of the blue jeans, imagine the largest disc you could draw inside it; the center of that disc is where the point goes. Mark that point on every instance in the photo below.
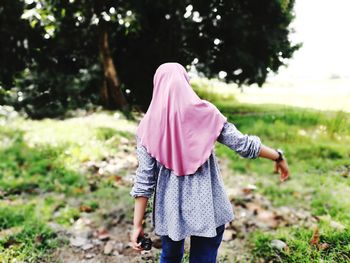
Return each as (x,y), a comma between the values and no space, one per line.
(202,249)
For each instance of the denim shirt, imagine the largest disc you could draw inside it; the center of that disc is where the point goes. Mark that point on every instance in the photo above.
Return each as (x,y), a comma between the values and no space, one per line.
(193,204)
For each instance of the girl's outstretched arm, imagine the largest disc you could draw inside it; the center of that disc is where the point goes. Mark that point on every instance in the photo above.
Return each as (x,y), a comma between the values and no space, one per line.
(250,146)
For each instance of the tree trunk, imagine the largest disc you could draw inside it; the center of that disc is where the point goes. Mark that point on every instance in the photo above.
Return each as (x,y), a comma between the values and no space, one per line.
(110,91)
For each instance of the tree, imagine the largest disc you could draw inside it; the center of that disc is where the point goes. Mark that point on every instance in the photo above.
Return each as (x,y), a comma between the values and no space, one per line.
(14,36)
(105,52)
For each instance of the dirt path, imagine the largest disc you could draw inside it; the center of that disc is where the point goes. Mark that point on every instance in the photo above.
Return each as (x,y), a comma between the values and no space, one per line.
(104,237)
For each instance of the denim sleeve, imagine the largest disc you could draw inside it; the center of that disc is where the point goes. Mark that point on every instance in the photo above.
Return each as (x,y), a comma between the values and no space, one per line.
(247,146)
(145,177)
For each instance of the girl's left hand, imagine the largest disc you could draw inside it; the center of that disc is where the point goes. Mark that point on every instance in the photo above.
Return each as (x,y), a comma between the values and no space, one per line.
(282,168)
(137,231)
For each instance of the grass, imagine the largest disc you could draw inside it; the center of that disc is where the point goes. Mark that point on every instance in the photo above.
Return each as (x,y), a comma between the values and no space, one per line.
(41,180)
(317,148)
(299,248)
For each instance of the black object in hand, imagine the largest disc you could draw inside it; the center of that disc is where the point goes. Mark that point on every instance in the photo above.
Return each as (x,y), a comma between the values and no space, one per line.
(146,243)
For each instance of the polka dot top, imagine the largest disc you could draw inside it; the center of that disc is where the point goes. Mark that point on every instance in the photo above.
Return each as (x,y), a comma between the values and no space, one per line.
(194,204)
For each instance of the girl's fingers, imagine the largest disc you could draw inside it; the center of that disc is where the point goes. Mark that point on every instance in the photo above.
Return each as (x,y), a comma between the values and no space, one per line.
(285,175)
(134,238)
(283,170)
(276,168)
(136,246)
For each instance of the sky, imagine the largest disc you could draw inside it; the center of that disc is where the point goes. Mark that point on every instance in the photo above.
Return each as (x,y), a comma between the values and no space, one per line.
(323,26)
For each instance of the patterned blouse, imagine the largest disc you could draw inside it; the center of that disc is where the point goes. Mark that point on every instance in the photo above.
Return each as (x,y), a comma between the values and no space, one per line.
(193,204)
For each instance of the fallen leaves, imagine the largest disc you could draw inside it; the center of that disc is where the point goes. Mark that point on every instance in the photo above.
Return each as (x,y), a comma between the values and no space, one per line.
(315,240)
(86,209)
(249,189)
(102,234)
(254,211)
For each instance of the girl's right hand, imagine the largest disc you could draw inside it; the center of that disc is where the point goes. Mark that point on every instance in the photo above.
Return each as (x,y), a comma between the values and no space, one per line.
(282,168)
(133,238)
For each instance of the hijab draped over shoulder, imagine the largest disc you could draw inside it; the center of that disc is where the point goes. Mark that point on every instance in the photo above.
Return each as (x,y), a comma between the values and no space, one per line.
(179,129)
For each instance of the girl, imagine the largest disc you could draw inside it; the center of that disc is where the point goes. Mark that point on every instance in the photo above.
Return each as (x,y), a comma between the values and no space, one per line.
(175,149)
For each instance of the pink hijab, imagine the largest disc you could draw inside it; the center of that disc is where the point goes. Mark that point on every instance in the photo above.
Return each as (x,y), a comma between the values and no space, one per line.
(179,129)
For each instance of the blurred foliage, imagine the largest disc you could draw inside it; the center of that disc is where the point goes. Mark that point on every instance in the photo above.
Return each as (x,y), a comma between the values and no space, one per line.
(206,91)
(49,58)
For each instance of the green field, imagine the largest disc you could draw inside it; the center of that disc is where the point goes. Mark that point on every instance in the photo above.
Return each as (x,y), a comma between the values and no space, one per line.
(45,179)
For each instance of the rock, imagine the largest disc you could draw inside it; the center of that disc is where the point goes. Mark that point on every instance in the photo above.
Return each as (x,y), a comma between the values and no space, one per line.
(279,244)
(146,256)
(324,246)
(78,241)
(90,255)
(83,233)
(258,224)
(113,169)
(267,217)
(91,165)
(242,214)
(336,225)
(87,246)
(232,193)
(82,222)
(131,161)
(255,208)
(124,140)
(101,171)
(109,247)
(285,210)
(229,234)
(302,214)
(119,247)
(252,186)
(97,242)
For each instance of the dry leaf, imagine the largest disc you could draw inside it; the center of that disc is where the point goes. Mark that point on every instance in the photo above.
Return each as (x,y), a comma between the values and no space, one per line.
(39,239)
(85,208)
(247,191)
(315,237)
(78,190)
(118,178)
(103,234)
